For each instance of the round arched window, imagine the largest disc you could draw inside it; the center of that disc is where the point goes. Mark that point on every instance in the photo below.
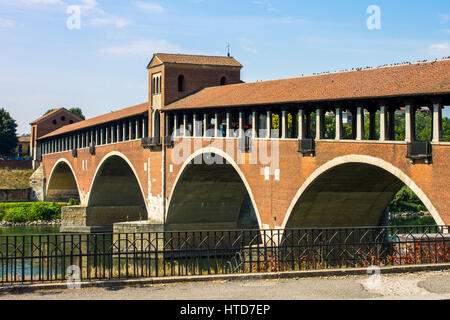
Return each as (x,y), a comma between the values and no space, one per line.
(223,81)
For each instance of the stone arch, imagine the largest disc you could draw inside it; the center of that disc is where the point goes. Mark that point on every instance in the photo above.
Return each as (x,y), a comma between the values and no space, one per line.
(369,165)
(228,177)
(116,194)
(62,183)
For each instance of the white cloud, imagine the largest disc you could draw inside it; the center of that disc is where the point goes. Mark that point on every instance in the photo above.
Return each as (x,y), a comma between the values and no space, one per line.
(440,49)
(149,7)
(143,48)
(105,22)
(6,23)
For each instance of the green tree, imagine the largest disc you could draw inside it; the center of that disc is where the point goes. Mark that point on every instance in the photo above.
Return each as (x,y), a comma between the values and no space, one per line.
(78,112)
(8,136)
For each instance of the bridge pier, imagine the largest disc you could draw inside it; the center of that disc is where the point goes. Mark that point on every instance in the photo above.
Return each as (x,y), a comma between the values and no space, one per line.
(97,219)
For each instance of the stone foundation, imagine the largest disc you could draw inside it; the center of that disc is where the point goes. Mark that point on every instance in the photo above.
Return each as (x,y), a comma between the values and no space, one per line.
(97,219)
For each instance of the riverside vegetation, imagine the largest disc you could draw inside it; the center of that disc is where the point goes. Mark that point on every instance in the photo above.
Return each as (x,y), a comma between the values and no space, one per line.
(38,212)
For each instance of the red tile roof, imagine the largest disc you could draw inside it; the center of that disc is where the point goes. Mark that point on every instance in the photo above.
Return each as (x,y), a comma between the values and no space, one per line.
(196,59)
(48,115)
(112,116)
(403,80)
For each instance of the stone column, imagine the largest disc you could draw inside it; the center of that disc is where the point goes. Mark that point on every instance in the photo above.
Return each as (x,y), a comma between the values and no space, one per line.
(241,124)
(269,125)
(228,131)
(194,127)
(130,130)
(338,119)
(301,124)
(137,129)
(254,124)
(437,122)
(410,116)
(92,137)
(185,122)
(101,136)
(107,134)
(205,125)
(383,124)
(124,131)
(143,125)
(175,125)
(283,124)
(320,124)
(359,123)
(216,124)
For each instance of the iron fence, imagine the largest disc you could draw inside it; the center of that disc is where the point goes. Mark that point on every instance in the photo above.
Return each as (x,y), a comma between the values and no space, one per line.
(43,258)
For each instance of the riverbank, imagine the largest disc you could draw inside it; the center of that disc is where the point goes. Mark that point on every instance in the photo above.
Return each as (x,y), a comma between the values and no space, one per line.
(39,223)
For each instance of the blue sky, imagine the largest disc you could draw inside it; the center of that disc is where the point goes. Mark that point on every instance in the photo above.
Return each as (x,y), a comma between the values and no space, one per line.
(101,67)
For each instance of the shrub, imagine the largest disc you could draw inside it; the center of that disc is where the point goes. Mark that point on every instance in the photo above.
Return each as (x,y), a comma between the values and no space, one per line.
(32,211)
(73,202)
(18,214)
(45,211)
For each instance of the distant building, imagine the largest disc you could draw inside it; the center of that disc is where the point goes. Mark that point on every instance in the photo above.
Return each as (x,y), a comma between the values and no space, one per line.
(23,148)
(48,123)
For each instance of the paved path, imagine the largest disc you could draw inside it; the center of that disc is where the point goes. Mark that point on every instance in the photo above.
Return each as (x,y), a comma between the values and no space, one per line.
(422,285)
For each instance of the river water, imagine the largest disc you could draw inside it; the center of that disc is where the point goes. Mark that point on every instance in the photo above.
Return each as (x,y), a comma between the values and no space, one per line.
(29,230)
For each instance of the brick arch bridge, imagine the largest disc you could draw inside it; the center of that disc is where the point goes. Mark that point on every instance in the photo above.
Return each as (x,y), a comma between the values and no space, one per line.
(202,159)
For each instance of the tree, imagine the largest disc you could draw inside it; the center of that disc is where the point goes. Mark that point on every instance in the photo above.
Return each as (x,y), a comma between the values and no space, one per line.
(77,112)
(8,137)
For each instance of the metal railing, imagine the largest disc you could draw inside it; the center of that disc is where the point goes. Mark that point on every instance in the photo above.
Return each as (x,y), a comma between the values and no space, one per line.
(43,258)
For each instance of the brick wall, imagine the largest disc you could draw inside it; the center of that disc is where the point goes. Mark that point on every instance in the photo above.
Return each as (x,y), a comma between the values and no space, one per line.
(15,195)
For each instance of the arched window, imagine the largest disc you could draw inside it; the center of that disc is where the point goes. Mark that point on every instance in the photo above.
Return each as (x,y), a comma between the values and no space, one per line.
(223,81)
(180,83)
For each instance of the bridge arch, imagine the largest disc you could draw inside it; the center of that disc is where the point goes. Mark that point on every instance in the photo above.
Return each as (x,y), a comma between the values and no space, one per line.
(116,194)
(231,192)
(62,183)
(313,192)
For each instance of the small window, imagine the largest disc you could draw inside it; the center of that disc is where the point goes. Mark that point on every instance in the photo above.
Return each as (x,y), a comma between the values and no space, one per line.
(181,83)
(70,121)
(223,81)
(54,122)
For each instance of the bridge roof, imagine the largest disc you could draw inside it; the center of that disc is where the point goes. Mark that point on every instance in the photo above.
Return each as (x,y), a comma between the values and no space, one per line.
(112,116)
(427,78)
